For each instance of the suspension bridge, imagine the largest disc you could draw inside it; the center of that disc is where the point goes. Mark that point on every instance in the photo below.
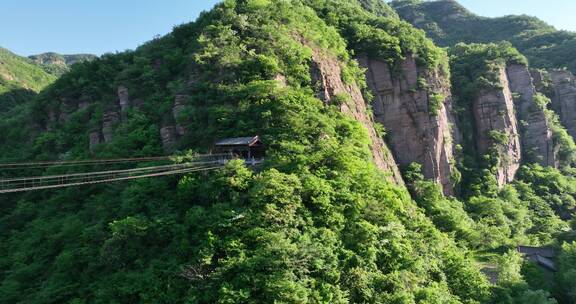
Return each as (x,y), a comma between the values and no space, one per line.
(199,163)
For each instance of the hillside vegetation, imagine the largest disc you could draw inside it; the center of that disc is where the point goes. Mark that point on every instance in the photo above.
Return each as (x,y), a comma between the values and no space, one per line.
(17,76)
(317,222)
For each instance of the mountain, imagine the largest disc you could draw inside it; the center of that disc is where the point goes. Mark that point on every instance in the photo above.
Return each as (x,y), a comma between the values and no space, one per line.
(447,23)
(20,80)
(16,71)
(396,171)
(58,64)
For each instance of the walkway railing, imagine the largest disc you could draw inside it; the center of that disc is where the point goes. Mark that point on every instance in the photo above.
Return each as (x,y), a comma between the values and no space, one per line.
(22,184)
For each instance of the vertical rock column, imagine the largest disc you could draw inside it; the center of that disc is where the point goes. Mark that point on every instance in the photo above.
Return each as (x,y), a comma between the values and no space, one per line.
(415,108)
(123,98)
(536,134)
(494,113)
(169,138)
(327,76)
(109,121)
(564,98)
(177,110)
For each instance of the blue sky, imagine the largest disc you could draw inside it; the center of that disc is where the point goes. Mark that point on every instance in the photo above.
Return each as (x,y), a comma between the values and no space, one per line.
(90,26)
(100,26)
(559,13)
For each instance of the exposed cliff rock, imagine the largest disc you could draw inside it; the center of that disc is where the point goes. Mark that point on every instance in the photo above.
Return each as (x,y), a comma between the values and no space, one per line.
(496,127)
(84,103)
(326,73)
(564,98)
(539,78)
(415,108)
(169,138)
(109,121)
(536,134)
(177,111)
(123,98)
(95,139)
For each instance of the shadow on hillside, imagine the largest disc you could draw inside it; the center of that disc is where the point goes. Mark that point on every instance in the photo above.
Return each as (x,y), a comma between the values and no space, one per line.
(12,98)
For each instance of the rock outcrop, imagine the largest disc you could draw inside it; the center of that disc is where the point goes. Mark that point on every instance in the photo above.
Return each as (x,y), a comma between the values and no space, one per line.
(169,138)
(109,120)
(536,133)
(123,98)
(84,103)
(95,139)
(177,111)
(415,109)
(564,98)
(496,128)
(327,76)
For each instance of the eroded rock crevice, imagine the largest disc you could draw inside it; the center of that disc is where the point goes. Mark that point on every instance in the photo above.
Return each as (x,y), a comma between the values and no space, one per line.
(564,98)
(326,75)
(536,133)
(497,128)
(415,107)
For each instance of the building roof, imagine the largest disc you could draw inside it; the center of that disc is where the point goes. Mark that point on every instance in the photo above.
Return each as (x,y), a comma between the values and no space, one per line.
(239,141)
(546,252)
(546,262)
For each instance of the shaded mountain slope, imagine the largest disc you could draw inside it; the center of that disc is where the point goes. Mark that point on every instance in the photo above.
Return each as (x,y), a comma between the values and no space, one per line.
(447,23)
(19,79)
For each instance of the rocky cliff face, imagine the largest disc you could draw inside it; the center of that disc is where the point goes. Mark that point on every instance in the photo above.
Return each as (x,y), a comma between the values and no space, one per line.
(564,98)
(123,98)
(496,128)
(327,76)
(169,138)
(536,133)
(415,108)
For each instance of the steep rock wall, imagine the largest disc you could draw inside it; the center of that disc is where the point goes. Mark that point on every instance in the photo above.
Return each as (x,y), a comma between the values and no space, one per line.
(123,98)
(494,115)
(564,98)
(327,75)
(536,132)
(415,108)
(169,137)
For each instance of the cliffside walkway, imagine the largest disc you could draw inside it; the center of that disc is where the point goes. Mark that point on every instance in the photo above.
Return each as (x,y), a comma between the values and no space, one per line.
(199,163)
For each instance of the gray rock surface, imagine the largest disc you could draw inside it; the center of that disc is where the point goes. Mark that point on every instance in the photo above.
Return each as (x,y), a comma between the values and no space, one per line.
(536,134)
(417,131)
(123,98)
(327,76)
(494,112)
(564,98)
(109,120)
(169,138)
(177,110)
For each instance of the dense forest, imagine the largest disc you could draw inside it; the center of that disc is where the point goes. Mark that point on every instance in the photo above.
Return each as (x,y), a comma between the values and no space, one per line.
(324,219)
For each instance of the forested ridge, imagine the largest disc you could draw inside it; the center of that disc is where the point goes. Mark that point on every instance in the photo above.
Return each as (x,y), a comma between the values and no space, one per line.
(58,64)
(19,79)
(448,23)
(319,221)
